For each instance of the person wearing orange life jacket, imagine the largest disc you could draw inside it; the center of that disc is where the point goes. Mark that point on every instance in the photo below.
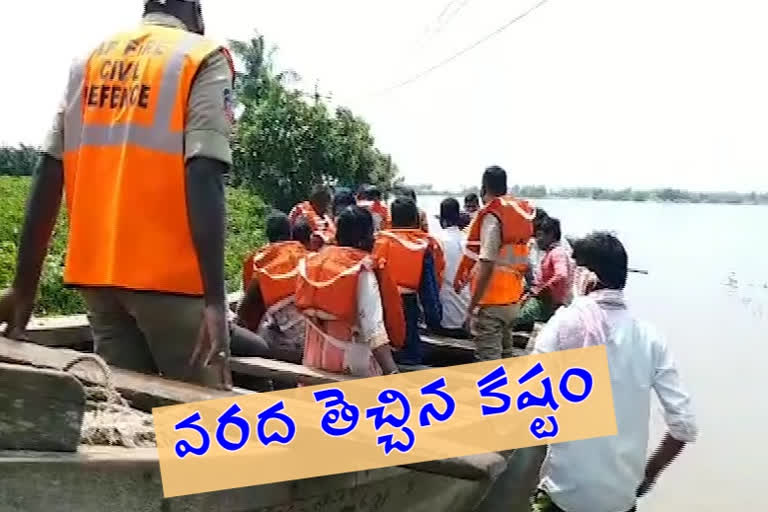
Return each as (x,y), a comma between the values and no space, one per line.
(494,265)
(315,211)
(411,194)
(140,146)
(268,306)
(416,262)
(370,199)
(352,307)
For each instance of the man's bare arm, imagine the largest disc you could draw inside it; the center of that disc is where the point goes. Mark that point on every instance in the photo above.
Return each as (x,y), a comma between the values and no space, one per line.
(40,218)
(664,455)
(383,356)
(252,308)
(207,222)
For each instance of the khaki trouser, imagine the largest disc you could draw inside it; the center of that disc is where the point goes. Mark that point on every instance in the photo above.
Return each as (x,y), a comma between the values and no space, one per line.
(148,332)
(492,327)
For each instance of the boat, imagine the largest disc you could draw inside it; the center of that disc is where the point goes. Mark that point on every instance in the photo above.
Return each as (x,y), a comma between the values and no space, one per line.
(128,479)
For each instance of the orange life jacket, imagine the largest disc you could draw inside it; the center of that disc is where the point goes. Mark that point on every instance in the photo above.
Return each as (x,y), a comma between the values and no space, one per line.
(276,268)
(321,226)
(327,285)
(506,285)
(379,212)
(124,165)
(402,252)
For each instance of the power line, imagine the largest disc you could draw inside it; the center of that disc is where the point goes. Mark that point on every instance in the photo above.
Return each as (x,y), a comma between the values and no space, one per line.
(464,51)
(445,10)
(449,17)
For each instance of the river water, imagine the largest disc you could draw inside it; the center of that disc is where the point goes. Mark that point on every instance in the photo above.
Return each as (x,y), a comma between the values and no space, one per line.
(707,291)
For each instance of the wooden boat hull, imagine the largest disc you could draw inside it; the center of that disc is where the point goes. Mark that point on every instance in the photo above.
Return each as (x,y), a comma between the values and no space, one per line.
(98,479)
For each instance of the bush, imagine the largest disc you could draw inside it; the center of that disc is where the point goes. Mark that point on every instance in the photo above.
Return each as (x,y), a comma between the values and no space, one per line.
(244,233)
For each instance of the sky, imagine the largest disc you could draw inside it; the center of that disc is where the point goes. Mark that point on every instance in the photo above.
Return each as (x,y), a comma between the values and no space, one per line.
(612,93)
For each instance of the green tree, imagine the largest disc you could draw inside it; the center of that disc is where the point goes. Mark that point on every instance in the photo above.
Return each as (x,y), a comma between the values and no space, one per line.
(18,161)
(285,144)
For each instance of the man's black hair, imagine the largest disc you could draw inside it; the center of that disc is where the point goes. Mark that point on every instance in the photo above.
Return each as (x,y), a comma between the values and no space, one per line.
(404,213)
(406,192)
(277,227)
(360,192)
(320,198)
(471,198)
(190,13)
(603,254)
(541,216)
(341,199)
(319,191)
(495,180)
(550,226)
(354,228)
(449,212)
(371,193)
(302,231)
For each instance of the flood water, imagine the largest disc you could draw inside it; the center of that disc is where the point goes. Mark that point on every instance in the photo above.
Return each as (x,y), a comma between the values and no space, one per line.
(707,291)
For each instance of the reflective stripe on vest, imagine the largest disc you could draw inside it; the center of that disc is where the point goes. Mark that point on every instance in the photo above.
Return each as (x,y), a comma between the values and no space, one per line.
(124,162)
(157,137)
(507,258)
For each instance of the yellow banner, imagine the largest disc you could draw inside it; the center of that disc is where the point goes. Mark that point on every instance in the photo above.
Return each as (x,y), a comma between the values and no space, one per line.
(384,421)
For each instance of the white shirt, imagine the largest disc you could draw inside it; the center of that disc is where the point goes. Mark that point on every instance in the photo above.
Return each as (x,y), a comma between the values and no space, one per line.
(370,312)
(602,475)
(455,305)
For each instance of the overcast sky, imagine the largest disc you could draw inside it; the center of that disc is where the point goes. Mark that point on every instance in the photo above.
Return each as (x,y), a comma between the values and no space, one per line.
(612,93)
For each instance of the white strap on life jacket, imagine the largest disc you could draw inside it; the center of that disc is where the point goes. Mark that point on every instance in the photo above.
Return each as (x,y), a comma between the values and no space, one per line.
(411,246)
(365,263)
(357,356)
(514,204)
(273,312)
(288,275)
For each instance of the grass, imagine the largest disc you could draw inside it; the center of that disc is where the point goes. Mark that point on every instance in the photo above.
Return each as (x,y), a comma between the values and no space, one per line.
(245,222)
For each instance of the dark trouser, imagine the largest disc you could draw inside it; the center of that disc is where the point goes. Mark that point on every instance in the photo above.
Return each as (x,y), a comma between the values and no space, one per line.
(411,353)
(459,334)
(148,332)
(492,328)
(541,502)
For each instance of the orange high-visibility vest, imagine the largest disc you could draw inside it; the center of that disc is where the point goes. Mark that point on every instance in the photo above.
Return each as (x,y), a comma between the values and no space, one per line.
(321,225)
(506,285)
(124,168)
(327,285)
(276,268)
(402,252)
(379,212)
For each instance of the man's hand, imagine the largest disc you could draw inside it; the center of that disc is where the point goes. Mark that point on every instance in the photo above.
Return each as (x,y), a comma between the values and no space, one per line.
(667,451)
(646,485)
(15,312)
(212,348)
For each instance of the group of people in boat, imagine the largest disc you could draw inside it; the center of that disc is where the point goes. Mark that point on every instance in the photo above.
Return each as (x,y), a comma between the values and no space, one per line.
(345,280)
(368,274)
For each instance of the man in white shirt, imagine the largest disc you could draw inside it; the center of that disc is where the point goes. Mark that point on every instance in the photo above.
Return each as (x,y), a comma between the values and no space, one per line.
(608,474)
(454,304)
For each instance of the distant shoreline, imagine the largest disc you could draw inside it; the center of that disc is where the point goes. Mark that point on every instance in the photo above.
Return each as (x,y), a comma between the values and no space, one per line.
(628,195)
